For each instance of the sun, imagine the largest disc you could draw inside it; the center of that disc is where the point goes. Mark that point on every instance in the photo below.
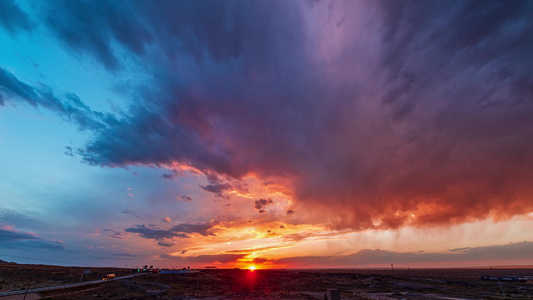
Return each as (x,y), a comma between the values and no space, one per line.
(252,268)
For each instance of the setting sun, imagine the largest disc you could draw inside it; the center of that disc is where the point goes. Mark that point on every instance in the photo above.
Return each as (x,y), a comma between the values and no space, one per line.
(251,268)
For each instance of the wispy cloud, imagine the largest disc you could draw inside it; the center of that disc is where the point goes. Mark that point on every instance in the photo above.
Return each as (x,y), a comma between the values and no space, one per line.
(11,238)
(68,106)
(131,213)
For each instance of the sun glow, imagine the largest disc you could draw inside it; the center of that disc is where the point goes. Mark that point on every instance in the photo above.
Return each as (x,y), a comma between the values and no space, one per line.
(252,268)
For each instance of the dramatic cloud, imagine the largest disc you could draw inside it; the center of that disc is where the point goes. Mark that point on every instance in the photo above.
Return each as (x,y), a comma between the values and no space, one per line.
(375,114)
(90,27)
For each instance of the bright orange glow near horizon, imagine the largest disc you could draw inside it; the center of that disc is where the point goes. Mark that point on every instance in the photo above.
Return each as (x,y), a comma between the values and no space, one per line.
(252,268)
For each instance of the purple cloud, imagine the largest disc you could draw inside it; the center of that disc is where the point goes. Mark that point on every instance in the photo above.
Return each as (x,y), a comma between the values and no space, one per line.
(421,118)
(165,236)
(152,232)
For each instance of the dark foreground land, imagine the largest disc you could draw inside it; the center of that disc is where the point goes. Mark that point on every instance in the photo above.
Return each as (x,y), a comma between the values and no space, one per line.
(18,276)
(274,284)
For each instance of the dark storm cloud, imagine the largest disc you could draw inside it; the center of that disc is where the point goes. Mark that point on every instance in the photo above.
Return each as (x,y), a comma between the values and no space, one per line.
(90,27)
(450,139)
(437,129)
(489,38)
(189,120)
(13,19)
(204,31)
(481,255)
(261,204)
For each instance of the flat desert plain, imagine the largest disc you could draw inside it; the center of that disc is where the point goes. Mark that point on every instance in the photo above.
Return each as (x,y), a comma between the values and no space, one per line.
(272,284)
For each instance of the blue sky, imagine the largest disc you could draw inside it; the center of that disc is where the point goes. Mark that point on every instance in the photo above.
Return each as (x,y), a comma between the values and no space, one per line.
(324,134)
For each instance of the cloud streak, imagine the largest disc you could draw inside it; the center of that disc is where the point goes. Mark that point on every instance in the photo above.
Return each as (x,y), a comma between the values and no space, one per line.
(215,258)
(10,238)
(518,252)
(68,106)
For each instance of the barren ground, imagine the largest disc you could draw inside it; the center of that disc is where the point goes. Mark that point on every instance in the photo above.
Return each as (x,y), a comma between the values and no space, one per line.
(275,284)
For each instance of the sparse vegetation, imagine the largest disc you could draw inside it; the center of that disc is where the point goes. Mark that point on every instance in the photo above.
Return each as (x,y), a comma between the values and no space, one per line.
(281,284)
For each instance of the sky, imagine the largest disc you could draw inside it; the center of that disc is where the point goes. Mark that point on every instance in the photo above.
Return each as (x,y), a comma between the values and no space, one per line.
(280,134)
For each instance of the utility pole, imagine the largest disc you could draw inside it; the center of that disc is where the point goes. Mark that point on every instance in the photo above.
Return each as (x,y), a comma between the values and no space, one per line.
(27,291)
